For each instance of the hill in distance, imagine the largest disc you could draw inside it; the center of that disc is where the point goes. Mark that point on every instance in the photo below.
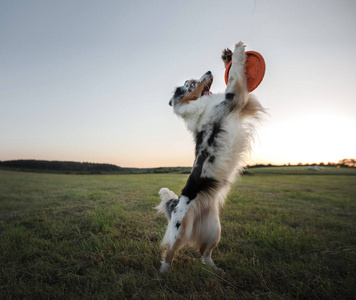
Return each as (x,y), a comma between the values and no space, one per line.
(70,167)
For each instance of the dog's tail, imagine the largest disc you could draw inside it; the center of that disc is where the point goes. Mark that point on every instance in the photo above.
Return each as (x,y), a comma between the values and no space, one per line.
(169,201)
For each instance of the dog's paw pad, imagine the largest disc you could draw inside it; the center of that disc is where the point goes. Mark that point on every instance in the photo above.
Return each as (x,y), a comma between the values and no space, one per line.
(226,56)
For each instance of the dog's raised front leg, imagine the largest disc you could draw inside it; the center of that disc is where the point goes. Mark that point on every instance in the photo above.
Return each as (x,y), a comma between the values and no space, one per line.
(236,94)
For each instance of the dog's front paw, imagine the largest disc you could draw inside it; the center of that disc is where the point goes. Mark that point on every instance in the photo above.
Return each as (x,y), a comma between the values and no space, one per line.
(226,56)
(239,53)
(240,46)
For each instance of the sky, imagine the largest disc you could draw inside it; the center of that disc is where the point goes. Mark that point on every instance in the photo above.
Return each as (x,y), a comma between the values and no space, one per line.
(90,81)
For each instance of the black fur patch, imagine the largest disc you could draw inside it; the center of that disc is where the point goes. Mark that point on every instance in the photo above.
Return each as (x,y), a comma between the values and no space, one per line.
(171,205)
(212,159)
(209,184)
(215,132)
(196,183)
(232,107)
(192,188)
(198,141)
(178,225)
(179,92)
(229,96)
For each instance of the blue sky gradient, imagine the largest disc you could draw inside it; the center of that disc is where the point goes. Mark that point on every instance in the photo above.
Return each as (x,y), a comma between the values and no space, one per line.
(91,81)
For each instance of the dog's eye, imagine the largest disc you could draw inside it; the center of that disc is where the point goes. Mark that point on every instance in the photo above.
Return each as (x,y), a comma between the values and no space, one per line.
(193,84)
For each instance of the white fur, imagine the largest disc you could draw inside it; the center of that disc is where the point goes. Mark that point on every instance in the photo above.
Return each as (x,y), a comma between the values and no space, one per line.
(220,156)
(165,195)
(164,267)
(172,232)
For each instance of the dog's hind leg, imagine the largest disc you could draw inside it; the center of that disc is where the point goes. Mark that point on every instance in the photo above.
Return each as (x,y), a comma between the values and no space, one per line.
(206,253)
(175,234)
(168,256)
(210,237)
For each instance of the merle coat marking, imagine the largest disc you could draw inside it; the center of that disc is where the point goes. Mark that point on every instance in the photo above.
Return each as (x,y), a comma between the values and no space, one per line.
(223,128)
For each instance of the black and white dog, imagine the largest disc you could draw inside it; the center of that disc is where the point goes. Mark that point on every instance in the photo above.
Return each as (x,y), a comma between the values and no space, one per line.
(223,128)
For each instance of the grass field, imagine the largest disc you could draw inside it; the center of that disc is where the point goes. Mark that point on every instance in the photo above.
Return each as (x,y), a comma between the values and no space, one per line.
(97,237)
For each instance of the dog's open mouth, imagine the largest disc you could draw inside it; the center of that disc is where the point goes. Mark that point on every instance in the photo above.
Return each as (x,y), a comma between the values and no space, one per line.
(206,90)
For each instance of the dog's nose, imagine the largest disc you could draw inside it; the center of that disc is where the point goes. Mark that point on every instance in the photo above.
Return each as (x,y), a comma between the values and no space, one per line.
(208,73)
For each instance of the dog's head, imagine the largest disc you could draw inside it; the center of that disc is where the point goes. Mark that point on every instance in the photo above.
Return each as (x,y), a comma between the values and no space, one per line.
(192,90)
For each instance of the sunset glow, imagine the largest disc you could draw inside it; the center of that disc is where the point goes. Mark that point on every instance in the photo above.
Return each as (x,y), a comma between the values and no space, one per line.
(88,81)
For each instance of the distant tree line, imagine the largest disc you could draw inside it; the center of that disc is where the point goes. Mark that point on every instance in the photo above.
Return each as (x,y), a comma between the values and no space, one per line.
(347,162)
(60,166)
(344,163)
(82,167)
(94,168)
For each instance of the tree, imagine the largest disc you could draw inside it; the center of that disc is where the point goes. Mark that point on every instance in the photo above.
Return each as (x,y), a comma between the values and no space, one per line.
(347,162)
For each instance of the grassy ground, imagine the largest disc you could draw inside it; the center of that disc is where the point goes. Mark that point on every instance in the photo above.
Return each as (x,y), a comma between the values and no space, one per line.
(97,237)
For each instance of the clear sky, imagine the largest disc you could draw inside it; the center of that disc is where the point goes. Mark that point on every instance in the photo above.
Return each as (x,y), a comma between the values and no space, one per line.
(91,80)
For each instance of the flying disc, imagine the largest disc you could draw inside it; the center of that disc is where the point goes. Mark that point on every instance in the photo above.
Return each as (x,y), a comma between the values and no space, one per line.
(255,69)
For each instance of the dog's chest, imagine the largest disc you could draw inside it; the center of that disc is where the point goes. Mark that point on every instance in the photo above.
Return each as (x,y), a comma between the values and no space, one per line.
(216,136)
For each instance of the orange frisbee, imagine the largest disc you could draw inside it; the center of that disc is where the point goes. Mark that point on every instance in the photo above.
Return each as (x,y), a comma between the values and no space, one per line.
(255,69)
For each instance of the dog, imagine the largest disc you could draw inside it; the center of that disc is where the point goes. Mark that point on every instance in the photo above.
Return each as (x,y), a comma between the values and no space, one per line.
(223,130)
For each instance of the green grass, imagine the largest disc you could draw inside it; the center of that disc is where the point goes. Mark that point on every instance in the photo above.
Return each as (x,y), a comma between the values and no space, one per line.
(97,237)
